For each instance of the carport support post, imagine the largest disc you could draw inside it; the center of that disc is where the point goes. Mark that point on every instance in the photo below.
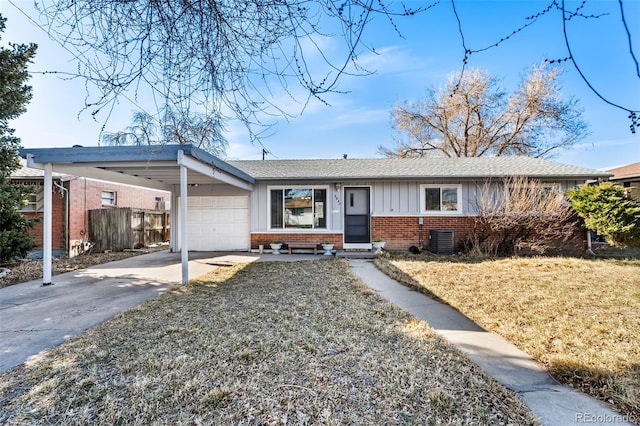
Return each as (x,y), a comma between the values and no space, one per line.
(46,226)
(183,220)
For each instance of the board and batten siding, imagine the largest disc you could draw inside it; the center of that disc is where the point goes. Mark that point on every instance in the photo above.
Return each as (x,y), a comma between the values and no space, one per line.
(403,198)
(388,198)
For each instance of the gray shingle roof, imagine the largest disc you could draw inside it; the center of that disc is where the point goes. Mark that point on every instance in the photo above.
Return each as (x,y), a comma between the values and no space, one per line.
(25,172)
(405,168)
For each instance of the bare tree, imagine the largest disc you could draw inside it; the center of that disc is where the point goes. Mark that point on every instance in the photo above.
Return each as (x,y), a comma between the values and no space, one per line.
(584,10)
(142,131)
(237,58)
(474,117)
(519,212)
(216,56)
(200,130)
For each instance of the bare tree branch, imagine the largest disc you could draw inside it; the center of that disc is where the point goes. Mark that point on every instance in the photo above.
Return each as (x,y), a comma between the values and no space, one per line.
(474,117)
(217,57)
(200,130)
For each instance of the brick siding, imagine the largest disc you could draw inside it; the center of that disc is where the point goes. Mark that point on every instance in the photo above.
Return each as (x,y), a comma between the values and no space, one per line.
(86,194)
(402,232)
(57,223)
(258,239)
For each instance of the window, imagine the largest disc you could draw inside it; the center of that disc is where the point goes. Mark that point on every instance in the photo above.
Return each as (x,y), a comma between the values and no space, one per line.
(298,208)
(534,190)
(160,204)
(108,198)
(441,198)
(30,204)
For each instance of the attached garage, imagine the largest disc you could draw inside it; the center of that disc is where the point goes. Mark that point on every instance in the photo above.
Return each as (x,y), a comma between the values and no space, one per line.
(218,223)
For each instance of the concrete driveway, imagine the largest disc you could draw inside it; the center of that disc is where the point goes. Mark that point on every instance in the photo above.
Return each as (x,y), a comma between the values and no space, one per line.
(34,318)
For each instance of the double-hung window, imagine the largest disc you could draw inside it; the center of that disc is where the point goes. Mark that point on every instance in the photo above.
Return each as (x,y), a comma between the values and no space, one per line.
(440,199)
(298,208)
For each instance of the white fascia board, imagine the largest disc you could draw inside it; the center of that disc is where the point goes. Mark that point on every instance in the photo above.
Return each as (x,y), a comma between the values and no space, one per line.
(212,172)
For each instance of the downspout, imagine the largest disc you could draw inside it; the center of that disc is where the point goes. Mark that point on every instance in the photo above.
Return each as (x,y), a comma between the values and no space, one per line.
(66,216)
(589,246)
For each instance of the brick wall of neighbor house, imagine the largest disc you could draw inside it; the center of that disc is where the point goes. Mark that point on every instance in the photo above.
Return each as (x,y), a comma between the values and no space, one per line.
(57,223)
(258,239)
(86,194)
(402,232)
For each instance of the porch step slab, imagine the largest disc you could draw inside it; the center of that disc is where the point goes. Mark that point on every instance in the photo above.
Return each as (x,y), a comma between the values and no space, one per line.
(356,254)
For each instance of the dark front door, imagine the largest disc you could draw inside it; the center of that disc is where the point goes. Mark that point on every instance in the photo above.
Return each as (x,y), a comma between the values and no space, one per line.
(357,227)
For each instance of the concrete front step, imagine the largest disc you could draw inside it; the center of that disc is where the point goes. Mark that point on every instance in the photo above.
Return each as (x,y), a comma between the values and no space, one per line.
(356,254)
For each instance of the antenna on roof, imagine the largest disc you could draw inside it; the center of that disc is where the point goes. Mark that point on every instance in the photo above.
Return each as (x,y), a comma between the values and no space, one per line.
(344,156)
(264,153)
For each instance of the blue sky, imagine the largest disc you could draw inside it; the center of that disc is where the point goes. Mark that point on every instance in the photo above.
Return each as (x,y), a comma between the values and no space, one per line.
(358,121)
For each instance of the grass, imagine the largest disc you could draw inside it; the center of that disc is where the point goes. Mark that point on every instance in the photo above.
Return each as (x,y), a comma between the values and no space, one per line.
(268,343)
(579,317)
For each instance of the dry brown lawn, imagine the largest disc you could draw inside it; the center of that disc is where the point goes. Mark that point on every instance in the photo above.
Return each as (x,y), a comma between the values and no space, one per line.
(579,317)
(268,343)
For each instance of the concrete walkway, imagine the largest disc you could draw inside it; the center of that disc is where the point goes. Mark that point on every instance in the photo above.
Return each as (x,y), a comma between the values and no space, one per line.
(553,403)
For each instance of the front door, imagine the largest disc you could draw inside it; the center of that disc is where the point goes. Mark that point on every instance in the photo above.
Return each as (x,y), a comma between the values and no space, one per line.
(357,226)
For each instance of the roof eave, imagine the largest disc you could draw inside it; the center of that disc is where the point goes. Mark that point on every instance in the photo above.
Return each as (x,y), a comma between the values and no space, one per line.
(87,155)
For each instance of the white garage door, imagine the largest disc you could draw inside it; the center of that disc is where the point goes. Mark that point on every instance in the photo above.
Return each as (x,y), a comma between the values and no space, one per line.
(218,223)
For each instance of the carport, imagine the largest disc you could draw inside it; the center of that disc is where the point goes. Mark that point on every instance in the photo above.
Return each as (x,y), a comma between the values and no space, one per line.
(172,168)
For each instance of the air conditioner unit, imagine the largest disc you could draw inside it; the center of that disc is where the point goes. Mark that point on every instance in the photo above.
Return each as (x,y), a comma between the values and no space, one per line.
(441,241)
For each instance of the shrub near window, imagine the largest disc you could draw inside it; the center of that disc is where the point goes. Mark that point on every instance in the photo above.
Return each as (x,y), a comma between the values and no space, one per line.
(521,213)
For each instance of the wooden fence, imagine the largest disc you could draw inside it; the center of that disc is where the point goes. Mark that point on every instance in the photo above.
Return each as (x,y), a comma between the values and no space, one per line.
(118,229)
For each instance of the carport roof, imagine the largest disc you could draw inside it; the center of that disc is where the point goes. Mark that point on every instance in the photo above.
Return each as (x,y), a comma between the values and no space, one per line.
(152,166)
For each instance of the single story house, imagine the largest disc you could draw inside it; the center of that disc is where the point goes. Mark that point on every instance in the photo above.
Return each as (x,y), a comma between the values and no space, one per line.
(628,177)
(239,205)
(73,197)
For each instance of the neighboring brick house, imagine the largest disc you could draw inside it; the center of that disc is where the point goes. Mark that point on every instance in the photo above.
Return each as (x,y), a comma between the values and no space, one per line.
(628,177)
(73,198)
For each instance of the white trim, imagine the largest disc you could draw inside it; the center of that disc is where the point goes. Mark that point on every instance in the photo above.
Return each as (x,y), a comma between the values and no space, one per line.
(47,224)
(184,249)
(328,210)
(212,172)
(457,212)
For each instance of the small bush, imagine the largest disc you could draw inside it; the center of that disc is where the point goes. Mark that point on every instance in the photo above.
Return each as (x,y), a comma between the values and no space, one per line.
(607,209)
